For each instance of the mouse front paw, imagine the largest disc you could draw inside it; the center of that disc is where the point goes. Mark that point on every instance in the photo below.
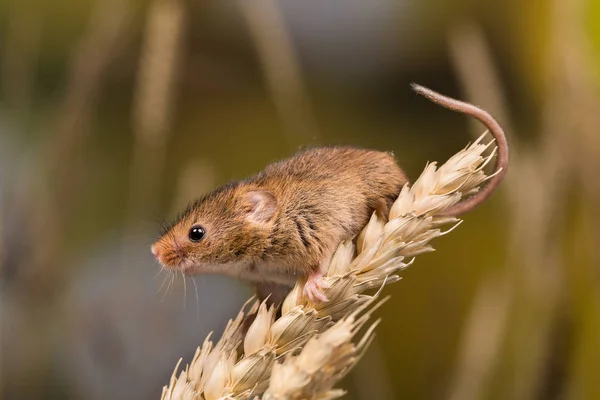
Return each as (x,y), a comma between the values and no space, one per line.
(313,288)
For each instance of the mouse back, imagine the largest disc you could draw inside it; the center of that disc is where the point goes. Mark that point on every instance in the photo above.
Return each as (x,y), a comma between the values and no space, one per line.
(327,195)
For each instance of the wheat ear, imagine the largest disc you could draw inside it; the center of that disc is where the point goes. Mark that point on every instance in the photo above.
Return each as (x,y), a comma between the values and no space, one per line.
(309,348)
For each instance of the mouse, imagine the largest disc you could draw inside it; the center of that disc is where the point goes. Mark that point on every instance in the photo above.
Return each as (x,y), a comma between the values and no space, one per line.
(284,223)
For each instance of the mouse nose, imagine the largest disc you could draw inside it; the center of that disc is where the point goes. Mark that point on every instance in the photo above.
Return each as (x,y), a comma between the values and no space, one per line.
(155,251)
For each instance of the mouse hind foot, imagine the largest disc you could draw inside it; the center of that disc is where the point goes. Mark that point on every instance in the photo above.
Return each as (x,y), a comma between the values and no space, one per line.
(313,288)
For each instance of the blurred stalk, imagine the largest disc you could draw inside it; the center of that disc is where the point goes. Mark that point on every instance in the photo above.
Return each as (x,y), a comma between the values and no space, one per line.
(472,58)
(579,101)
(281,69)
(570,149)
(21,51)
(482,338)
(576,58)
(153,106)
(370,376)
(537,203)
(197,178)
(89,61)
(60,159)
(45,204)
(20,55)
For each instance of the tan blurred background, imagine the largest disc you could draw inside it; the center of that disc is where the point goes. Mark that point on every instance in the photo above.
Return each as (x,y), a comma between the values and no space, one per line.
(115,113)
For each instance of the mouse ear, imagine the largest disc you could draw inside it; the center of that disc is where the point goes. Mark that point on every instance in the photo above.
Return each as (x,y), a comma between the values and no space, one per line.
(261,205)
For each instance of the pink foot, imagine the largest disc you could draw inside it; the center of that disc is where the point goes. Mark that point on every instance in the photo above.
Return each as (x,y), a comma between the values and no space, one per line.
(313,288)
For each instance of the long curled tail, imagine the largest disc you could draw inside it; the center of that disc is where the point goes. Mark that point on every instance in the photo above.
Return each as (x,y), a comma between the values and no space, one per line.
(496,131)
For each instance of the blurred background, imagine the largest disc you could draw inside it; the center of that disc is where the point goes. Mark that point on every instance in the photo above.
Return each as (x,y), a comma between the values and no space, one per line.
(115,113)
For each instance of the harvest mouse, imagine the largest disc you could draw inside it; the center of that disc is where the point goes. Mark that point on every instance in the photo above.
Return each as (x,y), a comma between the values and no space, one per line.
(284,223)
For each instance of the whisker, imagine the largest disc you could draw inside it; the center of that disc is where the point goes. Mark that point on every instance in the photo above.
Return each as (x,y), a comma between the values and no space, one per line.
(184,288)
(164,280)
(158,273)
(171,275)
(197,299)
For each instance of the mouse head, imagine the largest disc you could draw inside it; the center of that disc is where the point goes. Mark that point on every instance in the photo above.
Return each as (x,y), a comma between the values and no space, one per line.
(229,226)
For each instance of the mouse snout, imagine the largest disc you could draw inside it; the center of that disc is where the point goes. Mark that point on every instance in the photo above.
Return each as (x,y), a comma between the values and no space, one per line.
(155,251)
(167,256)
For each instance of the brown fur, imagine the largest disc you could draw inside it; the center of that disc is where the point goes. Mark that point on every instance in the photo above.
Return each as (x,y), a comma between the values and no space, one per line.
(320,197)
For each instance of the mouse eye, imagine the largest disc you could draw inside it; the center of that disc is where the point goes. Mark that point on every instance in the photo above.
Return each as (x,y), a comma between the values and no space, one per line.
(196,233)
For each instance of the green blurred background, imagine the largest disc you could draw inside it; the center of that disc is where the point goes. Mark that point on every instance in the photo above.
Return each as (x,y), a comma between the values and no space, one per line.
(115,113)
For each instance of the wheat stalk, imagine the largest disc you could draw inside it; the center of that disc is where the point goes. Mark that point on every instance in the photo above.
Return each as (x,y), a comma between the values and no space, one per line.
(309,348)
